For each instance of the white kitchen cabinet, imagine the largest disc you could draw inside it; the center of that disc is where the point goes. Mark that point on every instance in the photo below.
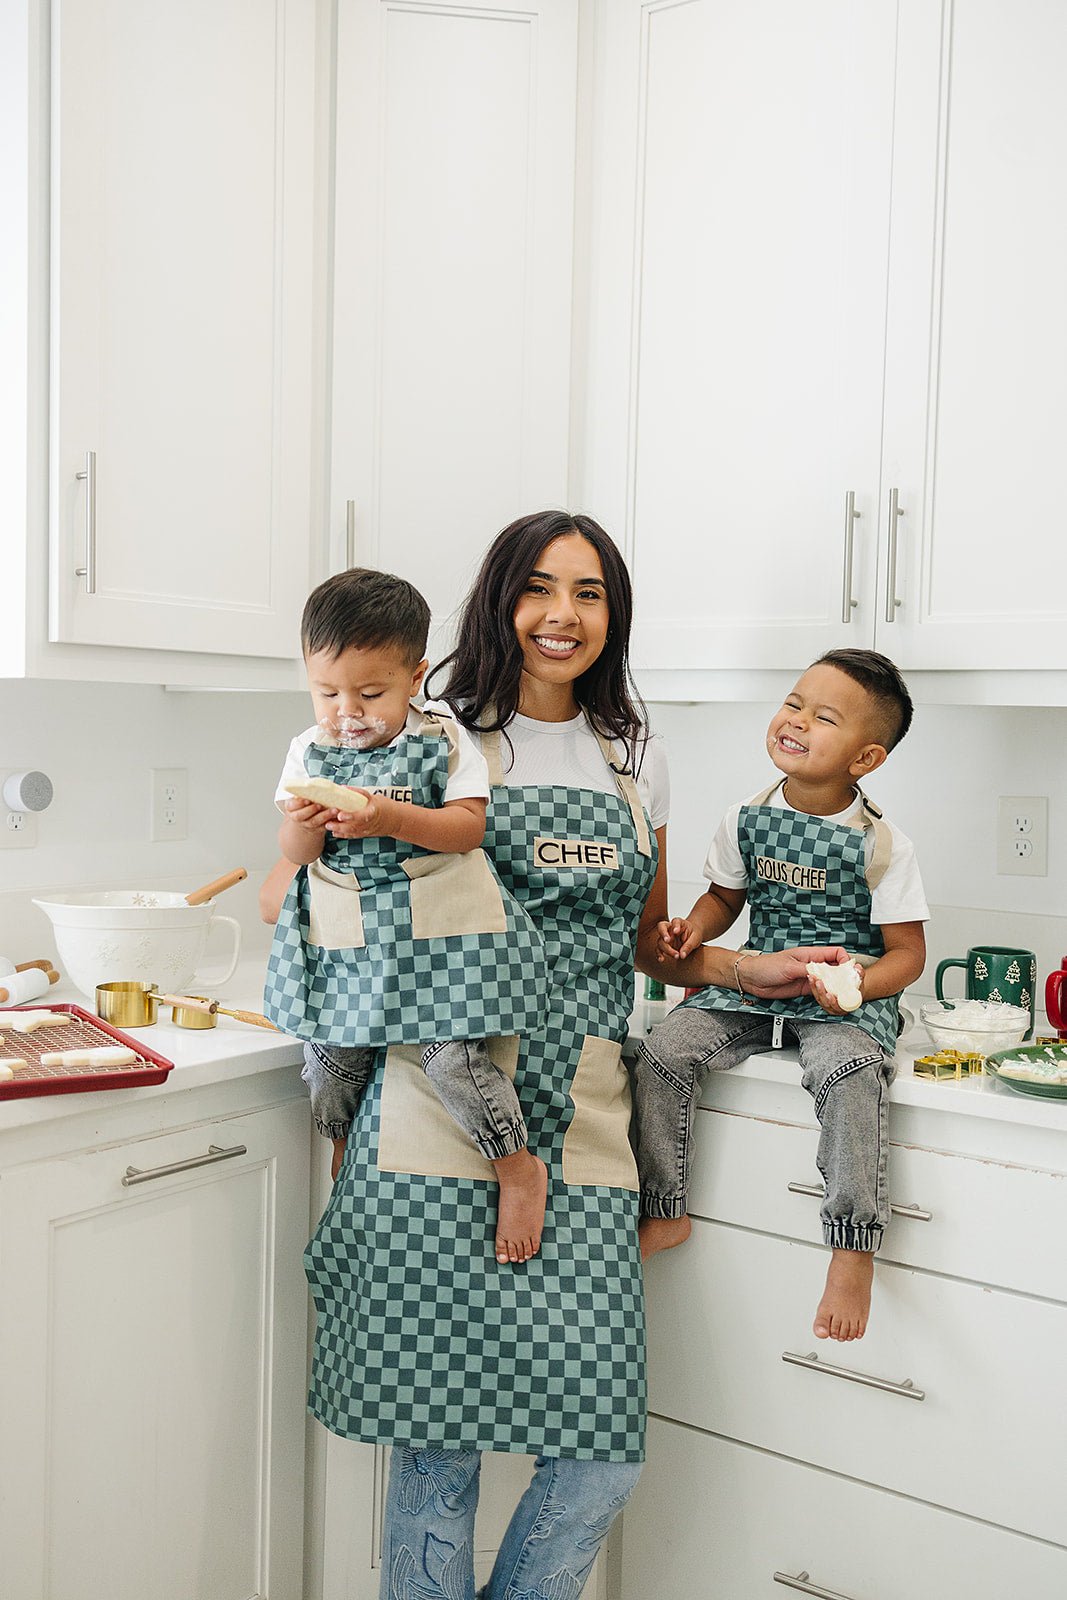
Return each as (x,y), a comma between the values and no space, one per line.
(152,1388)
(822,284)
(454,186)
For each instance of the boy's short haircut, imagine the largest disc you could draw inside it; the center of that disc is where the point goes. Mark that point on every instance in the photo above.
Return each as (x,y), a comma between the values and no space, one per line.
(883,682)
(366,609)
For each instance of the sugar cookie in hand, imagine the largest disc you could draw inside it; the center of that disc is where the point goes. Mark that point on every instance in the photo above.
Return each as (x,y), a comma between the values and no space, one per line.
(842,982)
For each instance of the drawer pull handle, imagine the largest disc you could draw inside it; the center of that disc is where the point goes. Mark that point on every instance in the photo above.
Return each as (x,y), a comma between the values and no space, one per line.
(916,1213)
(88,476)
(805,1585)
(812,1362)
(851,514)
(215,1153)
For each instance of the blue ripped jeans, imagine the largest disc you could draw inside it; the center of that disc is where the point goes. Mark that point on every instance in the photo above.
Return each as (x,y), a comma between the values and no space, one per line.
(549,1547)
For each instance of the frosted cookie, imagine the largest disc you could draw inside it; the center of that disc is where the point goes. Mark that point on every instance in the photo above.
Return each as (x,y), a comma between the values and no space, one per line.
(30,1021)
(322,792)
(842,983)
(100,1056)
(9,1065)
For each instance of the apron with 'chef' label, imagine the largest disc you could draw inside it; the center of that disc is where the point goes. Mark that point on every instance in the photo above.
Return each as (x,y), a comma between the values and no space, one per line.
(422,1337)
(809,883)
(381,942)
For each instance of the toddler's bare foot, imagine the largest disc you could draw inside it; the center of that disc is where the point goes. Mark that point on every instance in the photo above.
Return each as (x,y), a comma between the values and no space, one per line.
(523,1179)
(662,1233)
(846,1299)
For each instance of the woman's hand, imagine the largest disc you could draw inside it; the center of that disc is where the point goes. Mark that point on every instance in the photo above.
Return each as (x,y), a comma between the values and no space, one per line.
(782,974)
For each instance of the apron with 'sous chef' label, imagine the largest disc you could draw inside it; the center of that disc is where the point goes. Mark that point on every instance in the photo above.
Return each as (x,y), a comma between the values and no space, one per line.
(380,942)
(809,883)
(422,1337)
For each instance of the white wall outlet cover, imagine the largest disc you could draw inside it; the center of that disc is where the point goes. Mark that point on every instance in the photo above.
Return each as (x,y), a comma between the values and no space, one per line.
(1022,835)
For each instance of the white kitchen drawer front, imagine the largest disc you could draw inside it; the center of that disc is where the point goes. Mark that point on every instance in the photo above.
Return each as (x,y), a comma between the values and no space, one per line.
(980,1220)
(986,1436)
(712,1520)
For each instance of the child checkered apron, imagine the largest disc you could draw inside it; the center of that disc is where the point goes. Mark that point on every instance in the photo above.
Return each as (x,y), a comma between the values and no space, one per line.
(808,884)
(380,941)
(422,1337)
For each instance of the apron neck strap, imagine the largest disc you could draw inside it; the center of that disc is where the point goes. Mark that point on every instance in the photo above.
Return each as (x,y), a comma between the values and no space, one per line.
(433,723)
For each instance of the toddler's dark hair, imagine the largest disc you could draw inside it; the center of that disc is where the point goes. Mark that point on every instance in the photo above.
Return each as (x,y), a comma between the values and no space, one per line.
(367,609)
(884,684)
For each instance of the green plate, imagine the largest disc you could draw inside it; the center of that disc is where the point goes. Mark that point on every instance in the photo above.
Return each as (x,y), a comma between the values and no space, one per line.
(1031,1052)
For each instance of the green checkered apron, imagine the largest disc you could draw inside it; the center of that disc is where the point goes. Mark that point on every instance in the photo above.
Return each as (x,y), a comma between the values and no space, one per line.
(809,884)
(422,1337)
(381,942)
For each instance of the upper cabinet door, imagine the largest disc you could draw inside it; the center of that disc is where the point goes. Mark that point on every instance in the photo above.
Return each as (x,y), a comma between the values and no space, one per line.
(452,280)
(182,245)
(742,166)
(976,383)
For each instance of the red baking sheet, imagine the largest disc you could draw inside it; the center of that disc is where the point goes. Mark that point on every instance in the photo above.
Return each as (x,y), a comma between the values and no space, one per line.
(84,1031)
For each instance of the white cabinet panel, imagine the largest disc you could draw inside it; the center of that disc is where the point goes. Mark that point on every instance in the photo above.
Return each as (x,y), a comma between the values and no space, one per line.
(452,280)
(712,1520)
(182,249)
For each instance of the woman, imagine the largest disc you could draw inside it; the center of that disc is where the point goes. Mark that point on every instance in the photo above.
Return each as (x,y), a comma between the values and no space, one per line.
(424,1340)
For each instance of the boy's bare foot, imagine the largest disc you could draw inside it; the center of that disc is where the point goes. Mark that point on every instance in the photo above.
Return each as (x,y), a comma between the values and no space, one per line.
(662,1233)
(846,1300)
(523,1179)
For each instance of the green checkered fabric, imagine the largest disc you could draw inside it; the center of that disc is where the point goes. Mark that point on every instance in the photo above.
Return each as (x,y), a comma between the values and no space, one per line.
(398,989)
(422,1337)
(781,916)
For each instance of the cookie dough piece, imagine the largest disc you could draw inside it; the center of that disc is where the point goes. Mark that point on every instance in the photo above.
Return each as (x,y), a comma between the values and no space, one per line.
(9,1065)
(325,793)
(842,982)
(30,1021)
(101,1056)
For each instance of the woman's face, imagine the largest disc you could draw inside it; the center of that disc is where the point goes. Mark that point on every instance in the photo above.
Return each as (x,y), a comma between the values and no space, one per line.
(562,618)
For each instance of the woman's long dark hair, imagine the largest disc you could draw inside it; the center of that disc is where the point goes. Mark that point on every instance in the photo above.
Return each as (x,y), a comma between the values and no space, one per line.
(485,668)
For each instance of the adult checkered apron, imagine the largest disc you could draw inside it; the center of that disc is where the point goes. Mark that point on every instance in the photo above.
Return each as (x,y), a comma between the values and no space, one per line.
(809,884)
(346,966)
(422,1337)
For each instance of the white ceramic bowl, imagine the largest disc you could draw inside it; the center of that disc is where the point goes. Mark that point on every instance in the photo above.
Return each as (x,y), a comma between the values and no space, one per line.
(985,1025)
(136,935)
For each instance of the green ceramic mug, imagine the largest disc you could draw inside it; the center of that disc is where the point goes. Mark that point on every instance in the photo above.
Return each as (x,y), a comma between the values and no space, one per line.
(995,972)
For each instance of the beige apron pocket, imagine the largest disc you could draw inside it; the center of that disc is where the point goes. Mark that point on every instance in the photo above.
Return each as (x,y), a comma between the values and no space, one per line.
(596,1146)
(415,1132)
(454,894)
(335,918)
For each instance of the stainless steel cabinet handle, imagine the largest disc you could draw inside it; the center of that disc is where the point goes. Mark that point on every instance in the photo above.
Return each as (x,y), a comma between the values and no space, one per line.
(906,1389)
(914,1212)
(88,572)
(215,1153)
(891,601)
(350,533)
(805,1585)
(851,514)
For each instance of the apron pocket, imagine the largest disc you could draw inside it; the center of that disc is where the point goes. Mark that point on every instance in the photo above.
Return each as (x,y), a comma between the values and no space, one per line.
(415,1132)
(596,1146)
(335,919)
(454,894)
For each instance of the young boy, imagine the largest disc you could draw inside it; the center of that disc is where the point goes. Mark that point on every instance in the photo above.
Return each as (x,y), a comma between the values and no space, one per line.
(396,929)
(818,864)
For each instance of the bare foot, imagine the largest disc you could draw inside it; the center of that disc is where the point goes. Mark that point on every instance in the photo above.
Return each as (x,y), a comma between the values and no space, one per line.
(846,1299)
(662,1233)
(523,1179)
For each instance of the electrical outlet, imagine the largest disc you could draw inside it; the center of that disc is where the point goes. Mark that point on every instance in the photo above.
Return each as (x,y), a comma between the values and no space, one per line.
(18,829)
(1022,835)
(170,803)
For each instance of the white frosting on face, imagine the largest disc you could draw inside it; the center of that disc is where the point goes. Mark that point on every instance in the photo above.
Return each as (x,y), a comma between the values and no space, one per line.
(842,982)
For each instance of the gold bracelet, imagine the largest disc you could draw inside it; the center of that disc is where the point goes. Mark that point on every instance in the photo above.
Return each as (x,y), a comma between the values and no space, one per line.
(746,999)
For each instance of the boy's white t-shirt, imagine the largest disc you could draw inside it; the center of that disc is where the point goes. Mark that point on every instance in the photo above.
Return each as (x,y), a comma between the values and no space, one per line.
(899,897)
(469,781)
(566,755)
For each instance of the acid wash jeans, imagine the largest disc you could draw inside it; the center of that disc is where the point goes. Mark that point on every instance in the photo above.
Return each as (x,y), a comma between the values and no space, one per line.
(842,1068)
(548,1550)
(469,1084)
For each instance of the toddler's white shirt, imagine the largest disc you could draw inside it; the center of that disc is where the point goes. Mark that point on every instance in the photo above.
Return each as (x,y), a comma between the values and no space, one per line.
(566,755)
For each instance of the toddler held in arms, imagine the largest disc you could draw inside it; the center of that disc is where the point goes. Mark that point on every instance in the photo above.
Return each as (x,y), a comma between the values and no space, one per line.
(818,864)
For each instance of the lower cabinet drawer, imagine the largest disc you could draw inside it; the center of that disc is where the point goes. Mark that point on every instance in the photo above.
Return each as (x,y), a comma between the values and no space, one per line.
(712,1520)
(973,1219)
(986,1439)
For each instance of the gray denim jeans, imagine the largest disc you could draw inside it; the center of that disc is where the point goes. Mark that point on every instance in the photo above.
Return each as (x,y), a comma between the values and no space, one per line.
(471,1087)
(841,1067)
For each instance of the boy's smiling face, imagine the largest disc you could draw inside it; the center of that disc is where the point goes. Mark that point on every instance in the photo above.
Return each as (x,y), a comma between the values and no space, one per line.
(376,685)
(826,730)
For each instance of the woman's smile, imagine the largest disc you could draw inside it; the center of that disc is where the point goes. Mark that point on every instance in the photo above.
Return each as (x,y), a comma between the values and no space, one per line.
(561,619)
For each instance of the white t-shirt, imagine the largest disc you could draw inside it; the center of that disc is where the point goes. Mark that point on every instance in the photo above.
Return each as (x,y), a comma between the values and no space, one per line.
(899,897)
(566,754)
(470,780)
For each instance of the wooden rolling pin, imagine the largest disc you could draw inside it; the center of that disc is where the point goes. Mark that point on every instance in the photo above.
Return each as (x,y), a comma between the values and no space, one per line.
(209,890)
(28,982)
